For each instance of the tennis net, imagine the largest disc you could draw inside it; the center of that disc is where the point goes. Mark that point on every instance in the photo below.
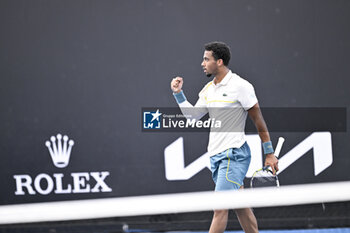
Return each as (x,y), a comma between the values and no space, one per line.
(323,205)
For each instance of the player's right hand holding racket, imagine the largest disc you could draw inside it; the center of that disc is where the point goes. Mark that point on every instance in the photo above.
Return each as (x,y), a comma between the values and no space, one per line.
(272,162)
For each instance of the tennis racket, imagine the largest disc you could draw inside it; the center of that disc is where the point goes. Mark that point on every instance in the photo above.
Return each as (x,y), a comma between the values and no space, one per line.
(264,177)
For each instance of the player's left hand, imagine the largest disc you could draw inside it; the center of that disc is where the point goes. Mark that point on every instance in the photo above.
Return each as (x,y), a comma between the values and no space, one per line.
(272,161)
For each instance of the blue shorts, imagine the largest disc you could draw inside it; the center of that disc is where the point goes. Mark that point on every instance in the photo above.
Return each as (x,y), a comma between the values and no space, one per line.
(230,167)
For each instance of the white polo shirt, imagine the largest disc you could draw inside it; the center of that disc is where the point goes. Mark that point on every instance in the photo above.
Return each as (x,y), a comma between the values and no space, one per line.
(228,101)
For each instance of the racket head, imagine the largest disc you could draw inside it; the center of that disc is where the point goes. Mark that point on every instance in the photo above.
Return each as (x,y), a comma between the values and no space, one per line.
(264,177)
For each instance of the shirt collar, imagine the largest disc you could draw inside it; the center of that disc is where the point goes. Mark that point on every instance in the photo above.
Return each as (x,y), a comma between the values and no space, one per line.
(225,80)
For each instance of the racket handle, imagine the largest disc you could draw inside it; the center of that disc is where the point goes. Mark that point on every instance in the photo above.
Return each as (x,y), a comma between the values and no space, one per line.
(279,146)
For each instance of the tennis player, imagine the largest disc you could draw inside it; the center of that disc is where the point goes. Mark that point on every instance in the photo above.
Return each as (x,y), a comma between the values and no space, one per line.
(229,152)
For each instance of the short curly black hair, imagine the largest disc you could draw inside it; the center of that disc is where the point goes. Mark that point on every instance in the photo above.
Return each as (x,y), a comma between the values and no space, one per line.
(220,51)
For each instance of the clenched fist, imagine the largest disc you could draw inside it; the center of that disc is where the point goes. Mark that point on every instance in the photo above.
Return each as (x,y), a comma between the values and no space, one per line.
(176,84)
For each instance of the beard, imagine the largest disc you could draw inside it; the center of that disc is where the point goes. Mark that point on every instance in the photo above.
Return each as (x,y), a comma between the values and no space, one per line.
(209,75)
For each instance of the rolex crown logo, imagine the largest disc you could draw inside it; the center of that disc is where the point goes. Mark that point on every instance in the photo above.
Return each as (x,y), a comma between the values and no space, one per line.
(60,151)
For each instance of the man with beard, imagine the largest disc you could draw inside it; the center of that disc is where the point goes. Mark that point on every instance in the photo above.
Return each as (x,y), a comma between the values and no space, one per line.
(229,152)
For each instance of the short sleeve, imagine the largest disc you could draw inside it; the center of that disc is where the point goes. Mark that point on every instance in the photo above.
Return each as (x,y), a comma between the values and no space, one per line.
(202,96)
(247,96)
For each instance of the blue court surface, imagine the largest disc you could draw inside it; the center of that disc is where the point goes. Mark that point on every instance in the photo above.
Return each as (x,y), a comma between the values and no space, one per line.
(329,230)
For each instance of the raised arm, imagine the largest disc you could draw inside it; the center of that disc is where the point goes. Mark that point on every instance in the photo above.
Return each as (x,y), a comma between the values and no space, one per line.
(191,112)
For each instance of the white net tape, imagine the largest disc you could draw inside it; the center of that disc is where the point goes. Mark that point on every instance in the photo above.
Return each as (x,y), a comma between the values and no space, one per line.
(175,203)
